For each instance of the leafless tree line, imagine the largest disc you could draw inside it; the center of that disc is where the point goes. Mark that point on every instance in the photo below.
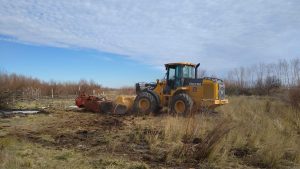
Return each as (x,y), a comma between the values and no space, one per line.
(32,87)
(256,79)
(262,78)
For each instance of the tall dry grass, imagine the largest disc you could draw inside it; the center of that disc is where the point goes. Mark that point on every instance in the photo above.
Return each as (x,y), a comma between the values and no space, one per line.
(294,97)
(266,132)
(250,131)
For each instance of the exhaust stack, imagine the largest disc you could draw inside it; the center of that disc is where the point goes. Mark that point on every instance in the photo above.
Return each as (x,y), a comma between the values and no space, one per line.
(196,70)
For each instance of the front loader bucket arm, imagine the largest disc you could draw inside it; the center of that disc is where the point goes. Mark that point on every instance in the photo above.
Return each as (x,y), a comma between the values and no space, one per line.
(123,104)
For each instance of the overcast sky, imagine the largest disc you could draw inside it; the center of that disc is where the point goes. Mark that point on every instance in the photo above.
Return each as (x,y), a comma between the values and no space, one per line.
(221,34)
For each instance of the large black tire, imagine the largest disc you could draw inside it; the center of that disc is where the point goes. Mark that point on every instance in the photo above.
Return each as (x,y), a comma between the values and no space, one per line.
(181,104)
(141,101)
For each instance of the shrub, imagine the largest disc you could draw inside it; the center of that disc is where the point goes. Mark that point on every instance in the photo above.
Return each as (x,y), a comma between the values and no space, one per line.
(294,97)
(4,98)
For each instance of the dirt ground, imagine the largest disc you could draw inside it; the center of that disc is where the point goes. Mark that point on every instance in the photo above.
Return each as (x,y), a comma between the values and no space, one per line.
(88,133)
(248,133)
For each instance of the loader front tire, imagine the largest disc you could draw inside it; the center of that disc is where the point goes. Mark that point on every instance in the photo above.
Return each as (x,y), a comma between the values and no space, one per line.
(181,104)
(145,103)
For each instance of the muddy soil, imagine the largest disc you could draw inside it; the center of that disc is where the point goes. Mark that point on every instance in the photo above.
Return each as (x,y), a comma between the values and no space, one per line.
(88,133)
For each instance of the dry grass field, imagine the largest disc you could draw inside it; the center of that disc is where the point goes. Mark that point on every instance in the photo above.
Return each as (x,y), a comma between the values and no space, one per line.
(250,132)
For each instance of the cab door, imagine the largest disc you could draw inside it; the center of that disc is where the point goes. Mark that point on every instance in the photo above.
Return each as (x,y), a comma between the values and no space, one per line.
(173,78)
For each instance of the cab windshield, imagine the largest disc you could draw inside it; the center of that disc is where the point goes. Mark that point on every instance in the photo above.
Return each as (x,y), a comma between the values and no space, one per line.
(188,72)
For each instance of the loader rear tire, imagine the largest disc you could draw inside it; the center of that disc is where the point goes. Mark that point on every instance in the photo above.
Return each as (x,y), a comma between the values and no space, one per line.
(181,104)
(145,103)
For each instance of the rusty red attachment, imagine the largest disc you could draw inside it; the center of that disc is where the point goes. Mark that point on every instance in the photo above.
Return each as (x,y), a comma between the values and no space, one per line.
(94,104)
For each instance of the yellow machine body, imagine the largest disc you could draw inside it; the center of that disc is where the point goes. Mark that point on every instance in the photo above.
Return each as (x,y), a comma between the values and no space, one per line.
(204,95)
(181,90)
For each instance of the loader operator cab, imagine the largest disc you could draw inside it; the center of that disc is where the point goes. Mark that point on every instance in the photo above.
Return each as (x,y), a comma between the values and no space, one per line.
(177,73)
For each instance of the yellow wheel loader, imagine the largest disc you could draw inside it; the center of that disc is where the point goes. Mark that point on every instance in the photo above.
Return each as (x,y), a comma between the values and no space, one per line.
(181,91)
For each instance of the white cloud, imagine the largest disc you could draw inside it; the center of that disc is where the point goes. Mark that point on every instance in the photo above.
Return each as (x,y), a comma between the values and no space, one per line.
(220,34)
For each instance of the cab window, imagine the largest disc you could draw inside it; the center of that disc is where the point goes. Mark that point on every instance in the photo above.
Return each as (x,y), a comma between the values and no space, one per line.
(172,73)
(188,72)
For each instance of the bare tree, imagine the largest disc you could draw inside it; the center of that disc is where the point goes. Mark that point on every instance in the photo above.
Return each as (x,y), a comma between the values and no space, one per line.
(32,87)
(262,78)
(295,71)
(201,73)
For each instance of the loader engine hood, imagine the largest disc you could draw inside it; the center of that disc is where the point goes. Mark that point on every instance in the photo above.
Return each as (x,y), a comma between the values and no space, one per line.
(199,81)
